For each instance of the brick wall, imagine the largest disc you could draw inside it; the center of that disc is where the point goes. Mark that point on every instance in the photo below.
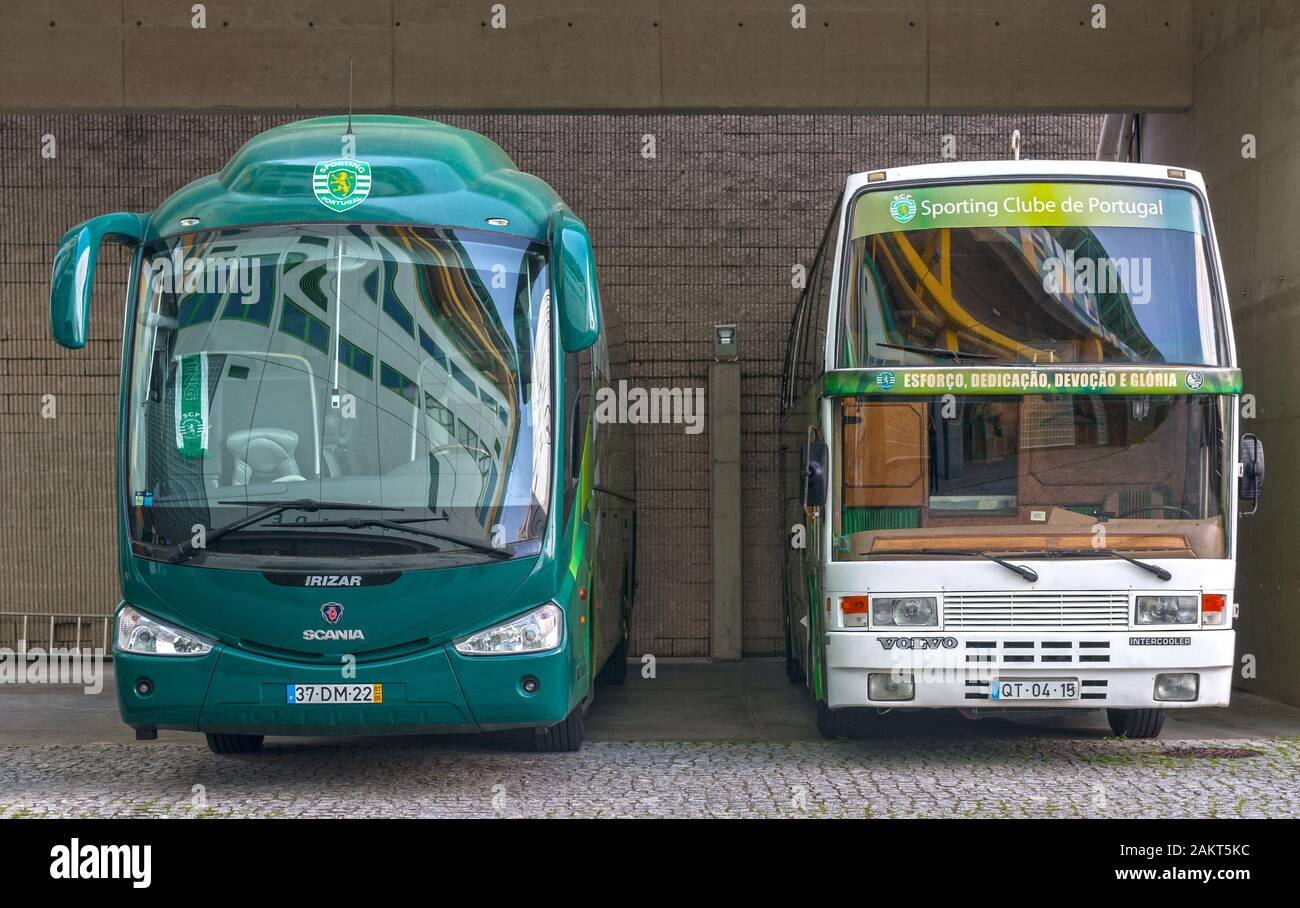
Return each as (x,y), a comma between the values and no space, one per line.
(705,232)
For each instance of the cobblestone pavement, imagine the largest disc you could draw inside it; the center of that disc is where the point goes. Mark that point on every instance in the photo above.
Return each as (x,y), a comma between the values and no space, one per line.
(914,777)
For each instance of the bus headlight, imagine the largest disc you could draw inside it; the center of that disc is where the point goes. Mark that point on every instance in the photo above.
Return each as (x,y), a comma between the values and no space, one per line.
(891,686)
(147,636)
(1177,686)
(535,632)
(1167,610)
(909,611)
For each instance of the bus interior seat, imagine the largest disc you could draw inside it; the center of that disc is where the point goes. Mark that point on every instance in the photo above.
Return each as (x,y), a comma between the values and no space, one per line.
(264,455)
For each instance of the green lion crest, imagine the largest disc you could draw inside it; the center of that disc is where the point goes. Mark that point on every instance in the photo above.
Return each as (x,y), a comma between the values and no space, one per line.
(341,184)
(902,208)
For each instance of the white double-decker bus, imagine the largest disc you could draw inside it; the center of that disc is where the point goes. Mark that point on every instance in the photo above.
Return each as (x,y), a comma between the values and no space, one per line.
(1012,464)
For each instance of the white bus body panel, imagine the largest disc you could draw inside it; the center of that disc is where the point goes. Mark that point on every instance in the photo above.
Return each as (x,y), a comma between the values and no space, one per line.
(954,662)
(1129,672)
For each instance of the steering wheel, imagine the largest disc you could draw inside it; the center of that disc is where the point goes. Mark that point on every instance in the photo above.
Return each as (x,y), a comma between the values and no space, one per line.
(1158,507)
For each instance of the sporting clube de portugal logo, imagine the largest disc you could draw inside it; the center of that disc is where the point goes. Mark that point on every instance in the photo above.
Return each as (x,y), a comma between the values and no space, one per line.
(902,208)
(341,184)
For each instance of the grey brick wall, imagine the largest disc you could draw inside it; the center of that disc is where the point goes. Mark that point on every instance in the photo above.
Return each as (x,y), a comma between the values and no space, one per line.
(705,232)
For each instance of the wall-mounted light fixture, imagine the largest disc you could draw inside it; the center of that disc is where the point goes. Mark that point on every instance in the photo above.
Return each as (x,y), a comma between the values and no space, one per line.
(724,342)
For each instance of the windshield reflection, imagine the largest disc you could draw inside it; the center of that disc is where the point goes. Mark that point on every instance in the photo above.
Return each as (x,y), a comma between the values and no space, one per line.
(387,367)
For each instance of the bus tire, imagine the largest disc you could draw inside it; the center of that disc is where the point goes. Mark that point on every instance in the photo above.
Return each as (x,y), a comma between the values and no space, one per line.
(234,744)
(1136,723)
(562,736)
(832,723)
(614,671)
(793,670)
(856,723)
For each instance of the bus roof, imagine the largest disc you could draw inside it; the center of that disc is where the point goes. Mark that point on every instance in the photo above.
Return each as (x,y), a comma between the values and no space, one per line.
(422,172)
(976,170)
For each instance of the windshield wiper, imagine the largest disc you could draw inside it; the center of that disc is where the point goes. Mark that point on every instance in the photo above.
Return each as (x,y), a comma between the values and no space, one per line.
(937,351)
(1099,553)
(1027,572)
(187,548)
(356,523)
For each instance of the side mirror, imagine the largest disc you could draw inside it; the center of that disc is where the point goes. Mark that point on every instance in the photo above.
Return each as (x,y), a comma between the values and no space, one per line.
(1250,484)
(816,456)
(73,276)
(577,299)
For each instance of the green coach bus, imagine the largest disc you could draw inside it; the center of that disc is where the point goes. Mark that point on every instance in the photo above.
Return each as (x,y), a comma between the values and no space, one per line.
(360,485)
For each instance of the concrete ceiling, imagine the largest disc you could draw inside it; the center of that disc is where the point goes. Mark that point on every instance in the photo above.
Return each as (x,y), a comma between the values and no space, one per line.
(862,55)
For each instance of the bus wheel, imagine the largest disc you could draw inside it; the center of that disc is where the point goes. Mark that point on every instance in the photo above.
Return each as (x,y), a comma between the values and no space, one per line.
(234,744)
(855,723)
(793,670)
(563,736)
(828,721)
(614,671)
(1136,723)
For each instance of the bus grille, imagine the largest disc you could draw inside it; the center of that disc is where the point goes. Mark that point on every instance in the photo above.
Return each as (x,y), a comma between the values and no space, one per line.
(978,610)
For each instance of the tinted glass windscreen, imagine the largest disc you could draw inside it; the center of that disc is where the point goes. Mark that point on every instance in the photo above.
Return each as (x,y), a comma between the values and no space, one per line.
(1034,472)
(401,372)
(1028,273)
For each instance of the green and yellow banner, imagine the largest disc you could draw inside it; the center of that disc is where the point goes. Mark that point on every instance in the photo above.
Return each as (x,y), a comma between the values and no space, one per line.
(1110,379)
(1027,205)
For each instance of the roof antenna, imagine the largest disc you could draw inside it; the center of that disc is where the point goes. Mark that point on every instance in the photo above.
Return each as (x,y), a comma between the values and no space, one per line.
(349,132)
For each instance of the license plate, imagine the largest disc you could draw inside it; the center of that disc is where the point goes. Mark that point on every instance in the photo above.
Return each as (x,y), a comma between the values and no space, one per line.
(1060,689)
(300,694)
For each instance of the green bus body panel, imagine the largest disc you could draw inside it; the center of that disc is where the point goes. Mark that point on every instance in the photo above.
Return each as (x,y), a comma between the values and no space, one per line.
(491,686)
(435,691)
(431,688)
(423,173)
(180,686)
(249,691)
(418,608)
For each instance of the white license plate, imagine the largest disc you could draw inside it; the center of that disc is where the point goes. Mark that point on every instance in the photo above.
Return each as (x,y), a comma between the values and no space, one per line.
(1035,689)
(305,694)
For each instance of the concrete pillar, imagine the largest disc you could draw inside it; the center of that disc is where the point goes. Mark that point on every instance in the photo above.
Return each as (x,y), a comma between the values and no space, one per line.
(724,512)
(1247,80)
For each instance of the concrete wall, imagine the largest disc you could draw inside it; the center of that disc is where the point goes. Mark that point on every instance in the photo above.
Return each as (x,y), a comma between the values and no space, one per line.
(139,55)
(1247,81)
(706,232)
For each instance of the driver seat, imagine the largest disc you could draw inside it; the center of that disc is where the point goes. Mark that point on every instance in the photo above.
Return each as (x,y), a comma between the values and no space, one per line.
(263,455)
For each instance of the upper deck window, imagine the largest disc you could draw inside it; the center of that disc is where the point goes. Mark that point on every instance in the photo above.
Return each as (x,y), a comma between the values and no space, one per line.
(1029,273)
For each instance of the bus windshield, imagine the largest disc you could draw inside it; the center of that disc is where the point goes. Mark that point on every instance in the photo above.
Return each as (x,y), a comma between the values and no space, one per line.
(1143,475)
(400,372)
(1029,273)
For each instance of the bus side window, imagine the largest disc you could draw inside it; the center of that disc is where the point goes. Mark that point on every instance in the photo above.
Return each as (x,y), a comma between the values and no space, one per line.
(577,391)
(788,380)
(808,336)
(796,365)
(819,294)
(802,367)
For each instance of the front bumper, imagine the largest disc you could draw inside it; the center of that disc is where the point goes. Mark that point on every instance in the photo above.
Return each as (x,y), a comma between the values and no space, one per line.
(434,691)
(954,669)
